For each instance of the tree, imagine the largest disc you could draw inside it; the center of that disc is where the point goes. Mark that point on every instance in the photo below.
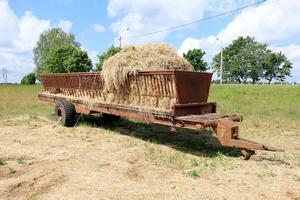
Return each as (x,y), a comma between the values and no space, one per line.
(276,66)
(67,58)
(49,40)
(29,79)
(104,56)
(195,57)
(242,60)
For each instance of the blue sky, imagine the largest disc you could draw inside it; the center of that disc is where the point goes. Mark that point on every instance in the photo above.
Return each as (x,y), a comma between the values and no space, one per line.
(81,13)
(96,25)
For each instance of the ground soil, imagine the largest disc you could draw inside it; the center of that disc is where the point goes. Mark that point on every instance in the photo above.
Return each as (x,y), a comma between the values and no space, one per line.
(46,161)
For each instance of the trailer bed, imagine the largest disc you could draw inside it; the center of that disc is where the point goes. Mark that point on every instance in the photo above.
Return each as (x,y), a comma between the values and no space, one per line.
(191,109)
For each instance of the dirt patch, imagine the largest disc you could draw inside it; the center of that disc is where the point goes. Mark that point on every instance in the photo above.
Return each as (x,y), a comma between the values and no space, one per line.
(131,160)
(34,187)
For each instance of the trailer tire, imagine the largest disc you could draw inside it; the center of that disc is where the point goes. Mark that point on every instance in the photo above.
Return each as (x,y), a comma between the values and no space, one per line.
(109,117)
(65,113)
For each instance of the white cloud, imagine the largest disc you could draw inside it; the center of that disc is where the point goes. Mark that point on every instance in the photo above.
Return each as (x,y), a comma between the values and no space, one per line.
(217,6)
(30,28)
(275,20)
(17,65)
(272,22)
(143,16)
(18,36)
(8,25)
(98,28)
(65,25)
(292,52)
(210,45)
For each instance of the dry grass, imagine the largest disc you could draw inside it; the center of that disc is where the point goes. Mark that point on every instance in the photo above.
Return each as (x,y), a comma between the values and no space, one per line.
(139,161)
(132,59)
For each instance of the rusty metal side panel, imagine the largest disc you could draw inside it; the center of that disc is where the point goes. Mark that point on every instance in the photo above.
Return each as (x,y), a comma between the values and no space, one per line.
(194,109)
(186,86)
(192,87)
(83,81)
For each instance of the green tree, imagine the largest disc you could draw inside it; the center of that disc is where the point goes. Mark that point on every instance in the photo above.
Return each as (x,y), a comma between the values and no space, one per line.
(104,56)
(276,67)
(242,60)
(29,79)
(67,58)
(49,40)
(195,57)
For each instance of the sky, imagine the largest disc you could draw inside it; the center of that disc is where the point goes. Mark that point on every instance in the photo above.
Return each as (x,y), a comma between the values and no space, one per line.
(97,24)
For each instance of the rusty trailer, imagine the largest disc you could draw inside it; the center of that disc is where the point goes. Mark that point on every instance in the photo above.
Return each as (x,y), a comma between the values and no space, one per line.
(191,109)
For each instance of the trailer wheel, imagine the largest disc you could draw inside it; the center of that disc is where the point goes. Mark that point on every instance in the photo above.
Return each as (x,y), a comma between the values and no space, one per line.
(65,113)
(109,118)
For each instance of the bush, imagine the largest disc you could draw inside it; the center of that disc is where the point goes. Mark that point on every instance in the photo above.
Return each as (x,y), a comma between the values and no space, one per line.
(67,58)
(29,79)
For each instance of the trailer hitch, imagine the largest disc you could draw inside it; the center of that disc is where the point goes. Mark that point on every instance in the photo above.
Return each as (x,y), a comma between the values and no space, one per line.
(228,134)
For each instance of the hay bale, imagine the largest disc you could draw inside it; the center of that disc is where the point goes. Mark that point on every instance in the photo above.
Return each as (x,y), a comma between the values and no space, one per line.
(131,59)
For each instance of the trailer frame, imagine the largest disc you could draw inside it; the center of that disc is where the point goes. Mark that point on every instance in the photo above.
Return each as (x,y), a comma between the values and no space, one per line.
(191,111)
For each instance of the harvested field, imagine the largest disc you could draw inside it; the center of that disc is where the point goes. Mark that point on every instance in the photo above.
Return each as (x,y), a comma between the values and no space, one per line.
(132,160)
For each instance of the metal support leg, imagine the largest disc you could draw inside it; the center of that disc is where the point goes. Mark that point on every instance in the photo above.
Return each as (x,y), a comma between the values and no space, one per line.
(228,134)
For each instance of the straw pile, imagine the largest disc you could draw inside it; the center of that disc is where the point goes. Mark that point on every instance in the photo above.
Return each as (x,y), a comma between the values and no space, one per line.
(132,59)
(129,61)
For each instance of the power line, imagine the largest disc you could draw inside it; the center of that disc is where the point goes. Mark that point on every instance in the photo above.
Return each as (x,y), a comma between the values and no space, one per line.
(194,22)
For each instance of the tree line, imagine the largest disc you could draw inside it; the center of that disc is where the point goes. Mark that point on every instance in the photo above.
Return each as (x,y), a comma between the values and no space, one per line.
(244,60)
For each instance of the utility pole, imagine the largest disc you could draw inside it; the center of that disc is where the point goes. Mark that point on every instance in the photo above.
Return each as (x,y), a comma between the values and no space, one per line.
(221,73)
(120,40)
(120,37)
(221,62)
(4,75)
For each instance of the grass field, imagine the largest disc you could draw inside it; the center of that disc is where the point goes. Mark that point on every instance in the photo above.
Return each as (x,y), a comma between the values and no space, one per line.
(133,160)
(21,99)
(262,101)
(274,102)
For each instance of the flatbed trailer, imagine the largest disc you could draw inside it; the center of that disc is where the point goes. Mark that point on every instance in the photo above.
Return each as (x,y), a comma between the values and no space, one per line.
(190,110)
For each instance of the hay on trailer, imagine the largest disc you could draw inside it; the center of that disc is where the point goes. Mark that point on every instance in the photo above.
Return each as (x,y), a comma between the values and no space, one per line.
(131,59)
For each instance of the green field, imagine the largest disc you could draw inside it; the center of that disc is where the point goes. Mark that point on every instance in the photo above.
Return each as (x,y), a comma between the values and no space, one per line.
(21,99)
(270,102)
(265,102)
